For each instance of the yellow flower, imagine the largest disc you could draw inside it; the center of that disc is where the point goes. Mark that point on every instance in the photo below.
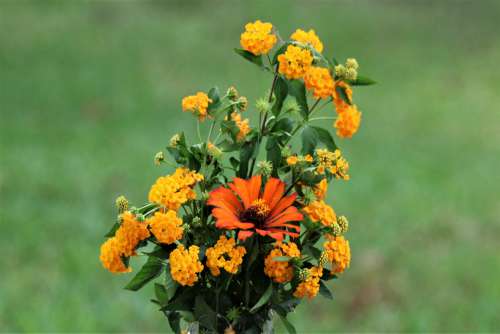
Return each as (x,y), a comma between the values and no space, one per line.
(321,189)
(294,62)
(196,104)
(310,286)
(174,190)
(340,104)
(225,255)
(281,271)
(111,257)
(319,80)
(338,252)
(258,38)
(130,233)
(185,265)
(292,160)
(166,227)
(309,37)
(308,158)
(321,212)
(348,121)
(333,162)
(243,126)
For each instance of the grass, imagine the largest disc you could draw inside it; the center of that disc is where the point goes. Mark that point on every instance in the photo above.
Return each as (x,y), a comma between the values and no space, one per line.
(91,90)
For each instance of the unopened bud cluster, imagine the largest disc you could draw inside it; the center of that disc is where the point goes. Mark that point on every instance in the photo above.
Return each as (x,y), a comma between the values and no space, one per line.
(349,71)
(121,204)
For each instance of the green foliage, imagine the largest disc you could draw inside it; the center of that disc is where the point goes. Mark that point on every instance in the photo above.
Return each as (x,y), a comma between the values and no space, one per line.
(151,269)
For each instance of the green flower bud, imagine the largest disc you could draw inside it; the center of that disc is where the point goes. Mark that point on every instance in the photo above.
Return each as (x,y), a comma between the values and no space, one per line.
(286,152)
(336,230)
(262,106)
(265,167)
(340,71)
(175,140)
(291,106)
(159,158)
(323,259)
(303,274)
(343,223)
(232,93)
(121,204)
(351,74)
(242,104)
(352,63)
(196,221)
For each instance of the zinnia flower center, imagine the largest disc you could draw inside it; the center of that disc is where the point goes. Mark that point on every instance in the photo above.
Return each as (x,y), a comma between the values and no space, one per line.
(257,212)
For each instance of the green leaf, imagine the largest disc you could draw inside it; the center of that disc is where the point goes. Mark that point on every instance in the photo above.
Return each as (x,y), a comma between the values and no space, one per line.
(112,231)
(297,89)
(161,294)
(246,153)
(361,81)
(214,95)
(203,313)
(228,146)
(324,291)
(326,138)
(309,139)
(289,327)
(170,285)
(273,154)
(257,60)
(149,271)
(285,125)
(282,258)
(280,91)
(174,320)
(234,162)
(263,299)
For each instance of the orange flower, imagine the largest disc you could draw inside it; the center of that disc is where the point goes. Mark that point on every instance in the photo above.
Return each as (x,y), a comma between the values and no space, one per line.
(242,206)
(347,123)
(340,104)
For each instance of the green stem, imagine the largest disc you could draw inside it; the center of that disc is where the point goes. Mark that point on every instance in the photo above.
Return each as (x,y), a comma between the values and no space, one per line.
(321,118)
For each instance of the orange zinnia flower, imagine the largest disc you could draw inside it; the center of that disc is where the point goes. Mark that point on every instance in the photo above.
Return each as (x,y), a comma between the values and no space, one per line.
(243,207)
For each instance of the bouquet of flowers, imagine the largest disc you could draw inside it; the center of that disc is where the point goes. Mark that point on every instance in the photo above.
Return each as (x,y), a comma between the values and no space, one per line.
(240,231)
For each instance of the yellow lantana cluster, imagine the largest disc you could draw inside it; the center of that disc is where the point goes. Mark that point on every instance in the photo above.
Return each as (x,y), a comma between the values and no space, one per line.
(242,124)
(185,265)
(258,38)
(321,212)
(225,254)
(295,62)
(294,159)
(166,227)
(321,189)
(281,271)
(197,104)
(348,121)
(174,190)
(334,162)
(308,37)
(310,286)
(338,253)
(123,244)
(320,81)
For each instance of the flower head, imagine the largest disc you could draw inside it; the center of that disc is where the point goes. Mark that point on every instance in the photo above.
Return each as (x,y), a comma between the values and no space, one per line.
(121,204)
(319,80)
(130,233)
(185,265)
(348,121)
(321,189)
(352,63)
(258,38)
(159,158)
(111,256)
(308,37)
(295,62)
(242,124)
(310,286)
(197,104)
(174,190)
(334,162)
(225,254)
(243,206)
(340,104)
(174,140)
(321,212)
(166,227)
(338,252)
(281,271)
(292,160)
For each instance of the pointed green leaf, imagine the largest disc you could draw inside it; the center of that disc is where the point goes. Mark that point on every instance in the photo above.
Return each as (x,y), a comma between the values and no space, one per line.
(297,89)
(362,81)
(324,291)
(112,231)
(326,138)
(203,313)
(149,271)
(257,60)
(282,258)
(309,140)
(263,299)
(289,327)
(280,91)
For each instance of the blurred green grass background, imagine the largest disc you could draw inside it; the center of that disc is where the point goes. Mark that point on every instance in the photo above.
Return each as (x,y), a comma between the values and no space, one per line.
(89,91)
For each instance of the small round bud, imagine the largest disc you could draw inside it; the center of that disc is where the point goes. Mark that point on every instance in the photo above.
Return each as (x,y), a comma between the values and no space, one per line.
(233,314)
(186,228)
(196,221)
(175,140)
(265,167)
(303,274)
(242,104)
(262,106)
(343,223)
(286,152)
(323,258)
(309,196)
(351,74)
(159,158)
(352,63)
(232,93)
(205,195)
(291,106)
(340,71)
(336,230)
(121,204)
